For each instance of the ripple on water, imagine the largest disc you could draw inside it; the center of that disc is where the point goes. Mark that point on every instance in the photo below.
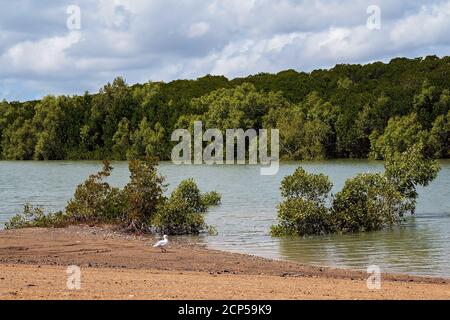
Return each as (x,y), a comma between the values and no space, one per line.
(421,246)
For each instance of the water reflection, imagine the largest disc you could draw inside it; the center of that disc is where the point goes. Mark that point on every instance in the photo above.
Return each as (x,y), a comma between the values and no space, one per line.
(406,246)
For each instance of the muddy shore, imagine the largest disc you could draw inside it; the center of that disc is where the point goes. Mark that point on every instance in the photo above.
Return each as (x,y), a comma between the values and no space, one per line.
(33,265)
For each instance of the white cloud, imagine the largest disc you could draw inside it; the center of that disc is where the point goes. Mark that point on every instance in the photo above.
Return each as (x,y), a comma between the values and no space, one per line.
(430,25)
(168,39)
(198,29)
(42,56)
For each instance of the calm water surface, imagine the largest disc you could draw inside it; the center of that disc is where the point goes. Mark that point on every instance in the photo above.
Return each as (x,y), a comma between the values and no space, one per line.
(420,246)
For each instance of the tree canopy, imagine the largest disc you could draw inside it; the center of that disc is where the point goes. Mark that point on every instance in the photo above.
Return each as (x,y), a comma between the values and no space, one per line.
(346,111)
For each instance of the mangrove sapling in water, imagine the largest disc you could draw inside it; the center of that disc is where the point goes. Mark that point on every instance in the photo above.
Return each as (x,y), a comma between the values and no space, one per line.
(408,170)
(303,211)
(139,206)
(183,212)
(368,202)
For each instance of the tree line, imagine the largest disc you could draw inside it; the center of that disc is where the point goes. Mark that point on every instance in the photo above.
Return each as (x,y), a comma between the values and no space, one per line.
(355,111)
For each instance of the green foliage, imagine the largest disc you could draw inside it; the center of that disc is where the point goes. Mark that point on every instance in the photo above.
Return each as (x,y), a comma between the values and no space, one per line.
(306,130)
(439,142)
(189,192)
(298,216)
(240,107)
(143,194)
(18,140)
(313,187)
(290,123)
(50,125)
(303,211)
(175,216)
(401,134)
(367,202)
(122,140)
(409,169)
(183,212)
(315,140)
(424,102)
(32,217)
(139,207)
(341,112)
(147,142)
(371,120)
(95,200)
(212,198)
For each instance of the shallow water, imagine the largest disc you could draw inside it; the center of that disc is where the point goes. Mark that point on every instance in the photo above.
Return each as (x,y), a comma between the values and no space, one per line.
(420,246)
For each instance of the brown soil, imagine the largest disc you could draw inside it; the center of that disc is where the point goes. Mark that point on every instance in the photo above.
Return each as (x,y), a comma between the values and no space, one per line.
(33,265)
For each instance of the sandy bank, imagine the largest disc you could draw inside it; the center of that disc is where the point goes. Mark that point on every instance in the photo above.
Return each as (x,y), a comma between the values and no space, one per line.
(114,266)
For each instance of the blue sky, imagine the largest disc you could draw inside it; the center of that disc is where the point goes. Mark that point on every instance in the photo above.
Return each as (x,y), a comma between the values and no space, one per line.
(144,40)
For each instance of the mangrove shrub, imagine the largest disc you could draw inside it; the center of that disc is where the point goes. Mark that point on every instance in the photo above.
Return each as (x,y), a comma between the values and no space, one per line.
(140,206)
(303,211)
(183,212)
(367,202)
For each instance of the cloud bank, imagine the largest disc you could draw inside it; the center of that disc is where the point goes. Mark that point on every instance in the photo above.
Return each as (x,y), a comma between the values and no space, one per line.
(171,39)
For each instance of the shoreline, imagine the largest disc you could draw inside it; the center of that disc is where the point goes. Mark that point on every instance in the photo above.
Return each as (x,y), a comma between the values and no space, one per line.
(33,265)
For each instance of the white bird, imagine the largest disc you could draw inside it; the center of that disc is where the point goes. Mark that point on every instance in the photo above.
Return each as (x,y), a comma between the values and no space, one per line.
(162,243)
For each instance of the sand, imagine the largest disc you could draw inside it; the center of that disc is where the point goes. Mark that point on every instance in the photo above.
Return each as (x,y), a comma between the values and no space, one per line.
(33,265)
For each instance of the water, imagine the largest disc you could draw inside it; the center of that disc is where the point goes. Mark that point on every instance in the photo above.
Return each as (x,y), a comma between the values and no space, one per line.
(420,246)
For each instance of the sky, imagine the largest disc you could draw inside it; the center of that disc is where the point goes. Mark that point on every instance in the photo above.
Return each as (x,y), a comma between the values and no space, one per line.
(69,47)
